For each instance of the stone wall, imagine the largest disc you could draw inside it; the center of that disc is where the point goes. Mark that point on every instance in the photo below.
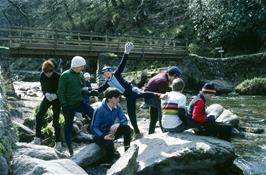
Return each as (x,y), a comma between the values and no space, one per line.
(4,58)
(7,130)
(198,70)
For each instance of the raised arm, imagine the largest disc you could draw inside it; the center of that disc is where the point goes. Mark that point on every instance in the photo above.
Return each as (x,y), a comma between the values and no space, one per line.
(128,47)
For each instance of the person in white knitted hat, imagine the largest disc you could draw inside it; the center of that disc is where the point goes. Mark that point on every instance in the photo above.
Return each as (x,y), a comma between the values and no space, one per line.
(87,77)
(70,93)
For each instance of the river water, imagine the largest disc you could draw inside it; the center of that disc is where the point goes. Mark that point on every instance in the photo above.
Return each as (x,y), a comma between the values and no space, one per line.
(251,149)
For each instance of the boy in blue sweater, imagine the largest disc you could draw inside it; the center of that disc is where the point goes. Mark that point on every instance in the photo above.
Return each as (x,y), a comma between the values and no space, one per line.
(110,123)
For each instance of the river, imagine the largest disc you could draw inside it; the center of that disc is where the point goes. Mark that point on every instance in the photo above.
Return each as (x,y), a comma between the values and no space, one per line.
(252,148)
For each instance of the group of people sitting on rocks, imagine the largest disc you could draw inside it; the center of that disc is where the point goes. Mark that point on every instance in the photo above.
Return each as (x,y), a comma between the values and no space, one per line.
(70,91)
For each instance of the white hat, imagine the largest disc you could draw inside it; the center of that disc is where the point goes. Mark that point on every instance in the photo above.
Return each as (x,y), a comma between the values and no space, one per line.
(87,75)
(78,61)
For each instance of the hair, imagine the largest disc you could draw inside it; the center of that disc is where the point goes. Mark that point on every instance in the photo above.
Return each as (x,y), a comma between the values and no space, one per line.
(48,66)
(178,84)
(111,92)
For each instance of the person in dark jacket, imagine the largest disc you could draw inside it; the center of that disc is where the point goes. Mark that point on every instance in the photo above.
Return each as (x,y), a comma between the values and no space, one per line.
(197,117)
(70,92)
(110,123)
(115,79)
(49,85)
(159,84)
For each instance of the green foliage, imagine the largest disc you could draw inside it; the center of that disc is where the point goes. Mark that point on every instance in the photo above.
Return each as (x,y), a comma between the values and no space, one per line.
(61,120)
(2,149)
(256,86)
(5,150)
(48,130)
(235,25)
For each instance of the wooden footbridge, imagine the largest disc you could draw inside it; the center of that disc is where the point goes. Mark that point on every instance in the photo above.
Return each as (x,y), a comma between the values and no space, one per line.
(34,42)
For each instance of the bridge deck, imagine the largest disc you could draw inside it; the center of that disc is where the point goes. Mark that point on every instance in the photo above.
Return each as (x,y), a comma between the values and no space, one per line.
(39,42)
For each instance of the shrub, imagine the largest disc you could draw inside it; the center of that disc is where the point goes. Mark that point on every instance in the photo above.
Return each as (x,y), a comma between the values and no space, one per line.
(255,86)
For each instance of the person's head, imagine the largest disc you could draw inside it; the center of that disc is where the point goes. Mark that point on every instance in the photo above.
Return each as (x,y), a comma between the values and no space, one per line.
(112,96)
(48,68)
(78,63)
(107,72)
(208,91)
(173,73)
(178,85)
(87,76)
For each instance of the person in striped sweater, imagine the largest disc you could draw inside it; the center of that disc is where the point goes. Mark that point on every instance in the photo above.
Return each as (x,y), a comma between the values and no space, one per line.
(173,105)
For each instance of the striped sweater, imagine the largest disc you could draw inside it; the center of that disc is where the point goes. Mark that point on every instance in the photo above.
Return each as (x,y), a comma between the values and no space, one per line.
(171,104)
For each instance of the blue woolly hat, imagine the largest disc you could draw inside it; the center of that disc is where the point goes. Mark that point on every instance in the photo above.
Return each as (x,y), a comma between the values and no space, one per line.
(107,69)
(175,70)
(208,88)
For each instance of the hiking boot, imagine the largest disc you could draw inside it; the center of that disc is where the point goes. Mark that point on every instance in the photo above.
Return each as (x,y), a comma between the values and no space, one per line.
(70,149)
(37,141)
(58,146)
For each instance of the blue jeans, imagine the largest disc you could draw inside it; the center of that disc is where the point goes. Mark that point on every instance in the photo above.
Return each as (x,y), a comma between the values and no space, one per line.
(69,113)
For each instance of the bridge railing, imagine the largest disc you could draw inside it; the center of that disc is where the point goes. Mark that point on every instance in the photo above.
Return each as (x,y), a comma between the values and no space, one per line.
(60,39)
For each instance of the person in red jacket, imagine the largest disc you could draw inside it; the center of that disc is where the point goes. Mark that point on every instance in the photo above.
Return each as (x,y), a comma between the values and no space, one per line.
(197,117)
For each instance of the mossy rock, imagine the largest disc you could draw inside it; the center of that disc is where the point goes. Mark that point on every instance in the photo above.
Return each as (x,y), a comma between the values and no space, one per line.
(5,150)
(255,86)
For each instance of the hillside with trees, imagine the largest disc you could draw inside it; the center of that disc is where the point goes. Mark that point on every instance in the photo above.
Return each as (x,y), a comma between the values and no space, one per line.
(237,27)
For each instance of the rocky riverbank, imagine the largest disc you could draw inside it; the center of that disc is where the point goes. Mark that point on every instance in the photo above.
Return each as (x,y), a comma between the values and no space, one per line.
(157,153)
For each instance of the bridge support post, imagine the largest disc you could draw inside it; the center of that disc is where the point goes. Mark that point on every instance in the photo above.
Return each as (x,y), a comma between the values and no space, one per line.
(4,58)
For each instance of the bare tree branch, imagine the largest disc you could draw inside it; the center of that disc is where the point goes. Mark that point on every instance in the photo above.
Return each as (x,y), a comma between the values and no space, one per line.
(20,11)
(10,23)
(69,15)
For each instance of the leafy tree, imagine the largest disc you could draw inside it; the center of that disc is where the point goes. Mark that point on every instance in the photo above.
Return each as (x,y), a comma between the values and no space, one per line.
(236,25)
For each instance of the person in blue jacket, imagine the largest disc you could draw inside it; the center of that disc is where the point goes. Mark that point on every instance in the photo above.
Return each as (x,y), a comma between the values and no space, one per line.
(110,123)
(132,93)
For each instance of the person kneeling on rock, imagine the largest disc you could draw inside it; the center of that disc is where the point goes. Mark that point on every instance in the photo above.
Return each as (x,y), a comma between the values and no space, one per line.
(109,123)
(206,125)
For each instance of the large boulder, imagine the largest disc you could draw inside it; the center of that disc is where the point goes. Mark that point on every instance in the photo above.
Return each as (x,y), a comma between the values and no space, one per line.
(37,151)
(28,165)
(25,134)
(126,164)
(88,155)
(223,115)
(183,153)
(223,86)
